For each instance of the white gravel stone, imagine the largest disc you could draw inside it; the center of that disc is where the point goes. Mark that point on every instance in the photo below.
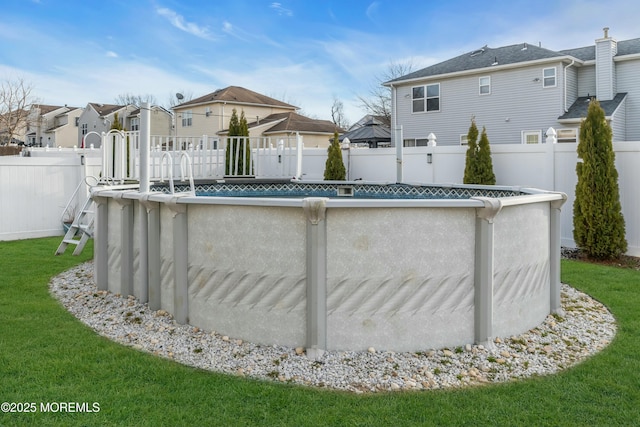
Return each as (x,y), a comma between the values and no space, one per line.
(556,344)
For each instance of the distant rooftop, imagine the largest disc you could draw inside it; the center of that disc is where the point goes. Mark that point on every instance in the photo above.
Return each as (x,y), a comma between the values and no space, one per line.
(237,95)
(487,57)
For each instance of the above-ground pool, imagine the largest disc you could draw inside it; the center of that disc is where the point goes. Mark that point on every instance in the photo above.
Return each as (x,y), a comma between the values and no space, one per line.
(337,266)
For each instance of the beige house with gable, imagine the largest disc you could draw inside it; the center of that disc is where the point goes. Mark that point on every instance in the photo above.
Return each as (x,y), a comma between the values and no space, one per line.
(267,117)
(53,126)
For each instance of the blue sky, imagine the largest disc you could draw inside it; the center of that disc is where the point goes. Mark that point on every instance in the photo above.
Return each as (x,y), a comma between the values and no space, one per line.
(303,52)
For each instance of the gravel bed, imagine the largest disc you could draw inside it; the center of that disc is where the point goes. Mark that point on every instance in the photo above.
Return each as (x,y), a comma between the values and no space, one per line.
(556,344)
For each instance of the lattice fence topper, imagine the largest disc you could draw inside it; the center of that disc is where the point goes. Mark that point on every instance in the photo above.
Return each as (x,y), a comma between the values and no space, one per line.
(364,191)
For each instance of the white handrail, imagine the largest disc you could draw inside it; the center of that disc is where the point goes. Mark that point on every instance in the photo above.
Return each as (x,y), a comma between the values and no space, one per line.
(183,156)
(67,209)
(166,154)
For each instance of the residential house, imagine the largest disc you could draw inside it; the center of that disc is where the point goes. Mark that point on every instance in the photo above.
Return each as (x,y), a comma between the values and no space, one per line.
(282,126)
(210,114)
(268,117)
(52,126)
(518,92)
(160,120)
(99,118)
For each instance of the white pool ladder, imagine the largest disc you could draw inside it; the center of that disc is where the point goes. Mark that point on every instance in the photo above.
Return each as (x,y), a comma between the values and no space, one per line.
(81,229)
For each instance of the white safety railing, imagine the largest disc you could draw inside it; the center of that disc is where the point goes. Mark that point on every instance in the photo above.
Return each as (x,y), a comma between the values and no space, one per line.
(208,157)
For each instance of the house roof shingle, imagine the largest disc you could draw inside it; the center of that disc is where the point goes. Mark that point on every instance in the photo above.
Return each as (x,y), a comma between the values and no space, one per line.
(484,57)
(238,95)
(578,109)
(487,57)
(292,122)
(105,109)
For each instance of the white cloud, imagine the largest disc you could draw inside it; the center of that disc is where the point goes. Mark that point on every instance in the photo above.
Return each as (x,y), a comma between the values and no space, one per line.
(280,9)
(111,54)
(372,11)
(179,22)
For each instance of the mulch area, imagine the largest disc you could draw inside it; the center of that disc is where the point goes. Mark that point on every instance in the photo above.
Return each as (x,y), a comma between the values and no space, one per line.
(625,261)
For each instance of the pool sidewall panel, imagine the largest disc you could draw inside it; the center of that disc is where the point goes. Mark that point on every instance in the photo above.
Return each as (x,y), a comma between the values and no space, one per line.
(114,247)
(138,210)
(521,293)
(400,279)
(247,272)
(167,283)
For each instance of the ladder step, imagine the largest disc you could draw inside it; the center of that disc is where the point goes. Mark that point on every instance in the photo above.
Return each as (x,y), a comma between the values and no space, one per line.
(71,241)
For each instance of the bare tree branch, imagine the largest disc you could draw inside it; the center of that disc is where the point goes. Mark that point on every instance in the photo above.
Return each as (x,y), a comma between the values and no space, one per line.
(15,102)
(337,114)
(137,100)
(378,101)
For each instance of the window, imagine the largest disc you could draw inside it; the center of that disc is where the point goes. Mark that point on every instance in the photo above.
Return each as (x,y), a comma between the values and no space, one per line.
(135,123)
(83,129)
(531,137)
(418,99)
(187,117)
(464,140)
(426,98)
(409,142)
(485,85)
(549,77)
(415,142)
(567,135)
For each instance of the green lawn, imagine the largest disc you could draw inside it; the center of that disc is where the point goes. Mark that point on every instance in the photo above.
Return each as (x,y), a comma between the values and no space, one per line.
(47,356)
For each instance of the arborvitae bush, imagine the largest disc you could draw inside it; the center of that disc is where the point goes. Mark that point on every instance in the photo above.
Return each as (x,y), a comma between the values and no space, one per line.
(238,147)
(478,167)
(485,175)
(334,169)
(598,224)
(470,160)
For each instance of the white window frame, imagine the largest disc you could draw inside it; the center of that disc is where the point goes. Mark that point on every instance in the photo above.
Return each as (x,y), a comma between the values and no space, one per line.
(464,139)
(567,139)
(545,77)
(527,133)
(425,98)
(409,142)
(485,84)
(187,118)
(84,129)
(415,97)
(135,124)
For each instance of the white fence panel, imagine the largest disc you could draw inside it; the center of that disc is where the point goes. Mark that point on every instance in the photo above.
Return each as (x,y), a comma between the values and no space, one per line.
(34,191)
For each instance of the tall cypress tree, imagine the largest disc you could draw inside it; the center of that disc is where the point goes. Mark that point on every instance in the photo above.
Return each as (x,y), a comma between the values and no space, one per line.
(470,160)
(334,169)
(598,224)
(485,175)
(478,168)
(238,148)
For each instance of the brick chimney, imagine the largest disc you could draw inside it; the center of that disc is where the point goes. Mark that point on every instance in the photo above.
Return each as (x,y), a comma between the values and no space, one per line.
(606,49)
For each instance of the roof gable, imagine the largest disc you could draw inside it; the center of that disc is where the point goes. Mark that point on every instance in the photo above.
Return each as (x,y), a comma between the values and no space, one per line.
(237,95)
(294,122)
(484,58)
(105,109)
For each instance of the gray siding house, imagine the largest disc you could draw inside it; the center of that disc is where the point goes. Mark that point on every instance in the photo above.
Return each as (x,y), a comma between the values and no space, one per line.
(518,92)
